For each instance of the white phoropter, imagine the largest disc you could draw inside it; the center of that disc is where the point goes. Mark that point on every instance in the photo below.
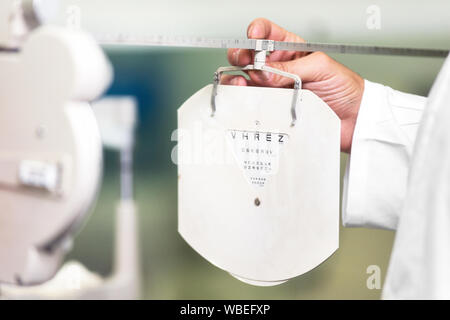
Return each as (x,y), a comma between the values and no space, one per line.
(50,158)
(50,146)
(116,116)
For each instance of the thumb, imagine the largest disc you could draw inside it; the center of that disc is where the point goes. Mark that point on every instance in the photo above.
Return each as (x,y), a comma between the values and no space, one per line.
(313,67)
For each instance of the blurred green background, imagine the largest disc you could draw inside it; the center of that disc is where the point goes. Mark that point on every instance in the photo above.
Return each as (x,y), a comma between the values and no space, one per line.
(162,79)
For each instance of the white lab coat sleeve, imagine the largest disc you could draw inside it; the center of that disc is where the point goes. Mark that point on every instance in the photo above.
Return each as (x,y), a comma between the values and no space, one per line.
(376,175)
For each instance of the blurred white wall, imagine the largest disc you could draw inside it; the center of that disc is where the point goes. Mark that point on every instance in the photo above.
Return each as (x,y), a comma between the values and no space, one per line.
(403,22)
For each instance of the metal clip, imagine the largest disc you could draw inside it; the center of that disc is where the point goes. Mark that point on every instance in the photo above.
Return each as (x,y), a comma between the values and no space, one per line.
(261,48)
(264,45)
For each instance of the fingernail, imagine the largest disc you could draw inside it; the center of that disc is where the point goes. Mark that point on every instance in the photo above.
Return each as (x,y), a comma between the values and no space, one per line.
(236,56)
(234,82)
(250,31)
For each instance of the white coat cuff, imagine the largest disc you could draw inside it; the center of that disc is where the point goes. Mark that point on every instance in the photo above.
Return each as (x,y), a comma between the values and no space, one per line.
(377,169)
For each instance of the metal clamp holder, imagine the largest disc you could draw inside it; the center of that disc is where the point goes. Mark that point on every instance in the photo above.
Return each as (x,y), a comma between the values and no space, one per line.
(261,49)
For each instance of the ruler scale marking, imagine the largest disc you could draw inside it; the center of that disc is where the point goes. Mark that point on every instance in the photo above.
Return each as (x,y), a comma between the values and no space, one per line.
(199,42)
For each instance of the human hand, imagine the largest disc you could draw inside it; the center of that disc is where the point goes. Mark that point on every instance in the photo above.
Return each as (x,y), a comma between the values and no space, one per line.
(341,88)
